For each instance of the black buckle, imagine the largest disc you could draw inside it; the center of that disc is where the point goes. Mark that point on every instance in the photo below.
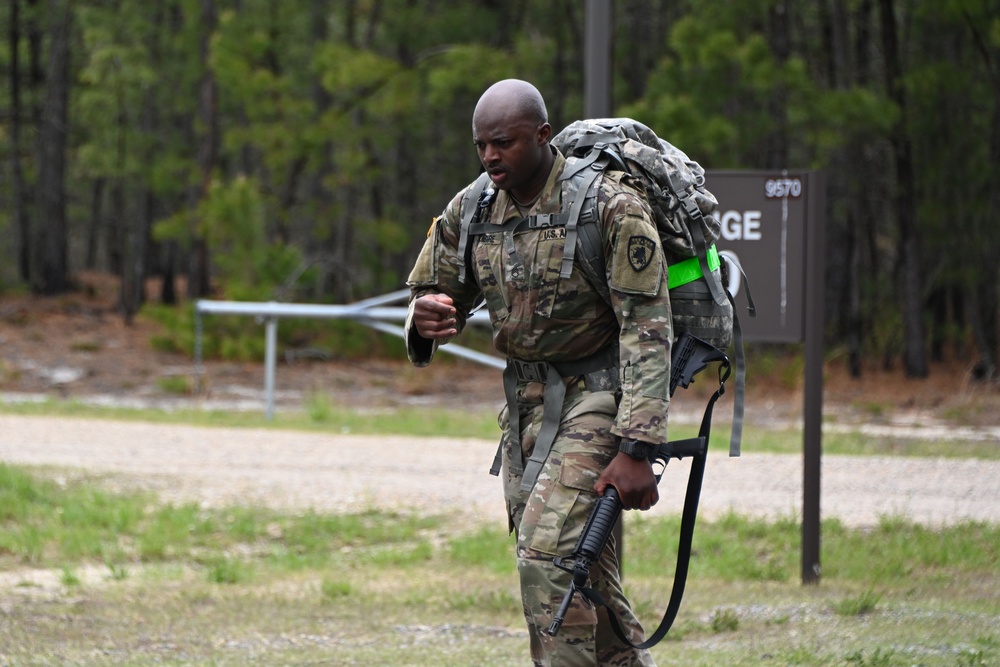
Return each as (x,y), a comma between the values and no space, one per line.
(530,371)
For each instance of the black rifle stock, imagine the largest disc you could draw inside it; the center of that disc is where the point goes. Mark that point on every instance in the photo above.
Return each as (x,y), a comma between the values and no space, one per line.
(689,356)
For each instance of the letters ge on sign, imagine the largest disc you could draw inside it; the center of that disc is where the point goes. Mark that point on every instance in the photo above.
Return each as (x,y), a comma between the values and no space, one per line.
(740,226)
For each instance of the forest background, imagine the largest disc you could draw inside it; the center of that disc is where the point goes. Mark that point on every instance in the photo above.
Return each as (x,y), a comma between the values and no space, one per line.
(298,150)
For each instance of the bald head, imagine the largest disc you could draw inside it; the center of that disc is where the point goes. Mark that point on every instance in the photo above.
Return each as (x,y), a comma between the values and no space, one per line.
(511,132)
(512,99)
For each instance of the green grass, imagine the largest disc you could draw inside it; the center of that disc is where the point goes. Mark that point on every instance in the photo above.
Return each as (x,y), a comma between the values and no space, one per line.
(142,582)
(175,384)
(45,524)
(857,605)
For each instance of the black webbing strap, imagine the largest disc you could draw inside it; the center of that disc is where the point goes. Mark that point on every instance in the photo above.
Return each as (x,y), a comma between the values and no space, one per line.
(740,383)
(739,393)
(477,199)
(686,201)
(584,190)
(688,518)
(591,368)
(554,397)
(516,225)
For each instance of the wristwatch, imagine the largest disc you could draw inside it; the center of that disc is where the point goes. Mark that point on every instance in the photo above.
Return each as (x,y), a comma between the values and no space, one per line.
(637,449)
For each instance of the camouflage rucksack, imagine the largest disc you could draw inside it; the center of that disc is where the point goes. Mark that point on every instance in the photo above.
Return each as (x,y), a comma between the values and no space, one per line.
(684,214)
(682,207)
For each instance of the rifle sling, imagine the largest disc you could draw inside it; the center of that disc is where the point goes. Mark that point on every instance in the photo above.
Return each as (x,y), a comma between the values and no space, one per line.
(688,518)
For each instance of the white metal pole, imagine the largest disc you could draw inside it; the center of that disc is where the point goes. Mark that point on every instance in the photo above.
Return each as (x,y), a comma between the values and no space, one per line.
(270,355)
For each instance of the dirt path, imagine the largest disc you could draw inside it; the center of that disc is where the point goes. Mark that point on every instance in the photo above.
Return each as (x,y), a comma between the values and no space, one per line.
(332,472)
(76,347)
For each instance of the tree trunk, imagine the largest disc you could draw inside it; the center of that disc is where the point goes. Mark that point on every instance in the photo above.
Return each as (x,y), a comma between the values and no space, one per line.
(842,237)
(983,328)
(199,278)
(133,285)
(343,258)
(168,287)
(985,309)
(644,27)
(36,73)
(118,250)
(134,289)
(915,354)
(316,189)
(862,220)
(991,279)
(18,209)
(985,306)
(53,273)
(94,231)
(114,239)
(777,140)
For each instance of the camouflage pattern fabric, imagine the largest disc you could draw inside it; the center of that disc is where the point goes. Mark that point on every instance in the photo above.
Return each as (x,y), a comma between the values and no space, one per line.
(665,168)
(549,520)
(539,316)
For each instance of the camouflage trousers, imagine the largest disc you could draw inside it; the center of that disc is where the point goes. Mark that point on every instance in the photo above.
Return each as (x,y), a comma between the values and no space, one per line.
(548,521)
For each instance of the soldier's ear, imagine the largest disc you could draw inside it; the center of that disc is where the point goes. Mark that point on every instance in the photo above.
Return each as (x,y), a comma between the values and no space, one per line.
(544,133)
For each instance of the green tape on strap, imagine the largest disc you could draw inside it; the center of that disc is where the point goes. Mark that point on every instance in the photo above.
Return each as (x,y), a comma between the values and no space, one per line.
(689,271)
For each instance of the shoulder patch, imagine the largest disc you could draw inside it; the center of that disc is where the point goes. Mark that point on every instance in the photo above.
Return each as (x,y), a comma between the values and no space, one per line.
(641,251)
(636,260)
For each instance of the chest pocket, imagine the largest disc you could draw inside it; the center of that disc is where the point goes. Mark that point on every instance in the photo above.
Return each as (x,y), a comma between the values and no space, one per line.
(518,267)
(487,252)
(569,298)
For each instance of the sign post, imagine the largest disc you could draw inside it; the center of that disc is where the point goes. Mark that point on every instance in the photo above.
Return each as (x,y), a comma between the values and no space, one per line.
(813,410)
(773,227)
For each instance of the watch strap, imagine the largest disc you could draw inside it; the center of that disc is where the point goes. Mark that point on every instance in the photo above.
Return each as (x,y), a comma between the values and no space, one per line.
(637,449)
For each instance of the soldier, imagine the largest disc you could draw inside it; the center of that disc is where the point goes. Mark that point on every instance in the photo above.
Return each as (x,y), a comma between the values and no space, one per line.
(587,385)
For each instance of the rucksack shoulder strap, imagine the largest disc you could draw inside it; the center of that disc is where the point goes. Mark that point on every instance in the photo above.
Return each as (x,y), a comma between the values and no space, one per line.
(477,198)
(736,437)
(582,175)
(686,201)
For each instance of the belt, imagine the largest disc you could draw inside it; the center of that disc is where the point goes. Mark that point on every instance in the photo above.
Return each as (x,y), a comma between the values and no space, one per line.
(600,373)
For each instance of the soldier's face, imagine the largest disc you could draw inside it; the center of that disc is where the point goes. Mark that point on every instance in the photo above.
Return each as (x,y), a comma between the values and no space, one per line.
(511,149)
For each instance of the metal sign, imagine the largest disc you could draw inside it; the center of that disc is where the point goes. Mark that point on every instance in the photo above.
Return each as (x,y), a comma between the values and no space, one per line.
(764,216)
(773,227)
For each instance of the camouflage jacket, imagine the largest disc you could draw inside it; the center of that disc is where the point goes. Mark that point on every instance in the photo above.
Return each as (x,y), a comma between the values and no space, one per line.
(537,316)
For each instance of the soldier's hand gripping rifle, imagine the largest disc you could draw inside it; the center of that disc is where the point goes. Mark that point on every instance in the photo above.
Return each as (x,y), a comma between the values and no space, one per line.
(690,355)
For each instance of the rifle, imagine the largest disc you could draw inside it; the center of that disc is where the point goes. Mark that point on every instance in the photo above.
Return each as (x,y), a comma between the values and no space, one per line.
(689,356)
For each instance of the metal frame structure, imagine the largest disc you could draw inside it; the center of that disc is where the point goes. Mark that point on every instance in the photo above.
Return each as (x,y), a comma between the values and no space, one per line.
(371,312)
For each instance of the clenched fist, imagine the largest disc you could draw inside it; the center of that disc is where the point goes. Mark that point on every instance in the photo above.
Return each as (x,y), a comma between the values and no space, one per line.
(434,317)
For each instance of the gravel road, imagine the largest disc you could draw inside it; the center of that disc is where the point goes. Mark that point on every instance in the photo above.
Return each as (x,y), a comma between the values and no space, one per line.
(335,472)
